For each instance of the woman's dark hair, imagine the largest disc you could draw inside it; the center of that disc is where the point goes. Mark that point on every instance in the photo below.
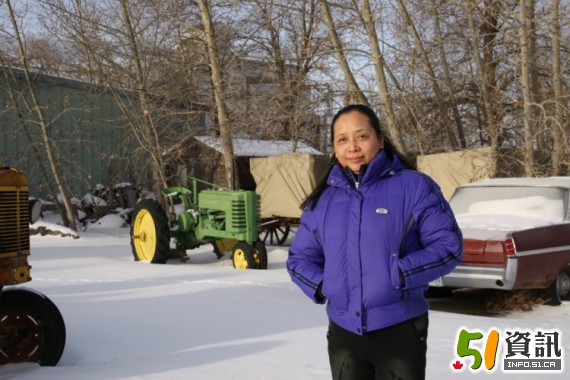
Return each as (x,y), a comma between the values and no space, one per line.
(390,150)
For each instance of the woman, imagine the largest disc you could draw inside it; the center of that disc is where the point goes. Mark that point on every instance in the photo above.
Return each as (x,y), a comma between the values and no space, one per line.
(373,234)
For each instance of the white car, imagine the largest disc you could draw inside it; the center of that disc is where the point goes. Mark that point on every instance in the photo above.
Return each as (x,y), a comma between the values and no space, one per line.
(516,235)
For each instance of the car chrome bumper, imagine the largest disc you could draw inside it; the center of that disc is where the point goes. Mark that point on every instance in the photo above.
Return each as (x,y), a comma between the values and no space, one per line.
(480,277)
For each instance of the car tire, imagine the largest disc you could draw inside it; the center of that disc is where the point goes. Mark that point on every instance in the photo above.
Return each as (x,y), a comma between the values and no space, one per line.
(438,292)
(559,290)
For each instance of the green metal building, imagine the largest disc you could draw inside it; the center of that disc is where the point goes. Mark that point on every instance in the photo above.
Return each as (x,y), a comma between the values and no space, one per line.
(93,141)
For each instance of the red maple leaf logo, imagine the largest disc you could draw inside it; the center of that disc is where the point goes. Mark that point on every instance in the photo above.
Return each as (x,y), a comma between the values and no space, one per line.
(457,364)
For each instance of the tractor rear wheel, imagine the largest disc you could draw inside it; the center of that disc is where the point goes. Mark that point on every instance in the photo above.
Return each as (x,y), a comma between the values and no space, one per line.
(150,234)
(242,256)
(260,255)
(31,328)
(221,246)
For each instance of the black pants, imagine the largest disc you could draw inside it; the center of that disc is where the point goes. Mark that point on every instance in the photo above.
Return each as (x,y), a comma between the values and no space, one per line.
(394,353)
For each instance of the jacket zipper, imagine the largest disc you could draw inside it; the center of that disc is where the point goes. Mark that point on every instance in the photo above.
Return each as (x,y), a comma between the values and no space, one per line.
(356,181)
(401,249)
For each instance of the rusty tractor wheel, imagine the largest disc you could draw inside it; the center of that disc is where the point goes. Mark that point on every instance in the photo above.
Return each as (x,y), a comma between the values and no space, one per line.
(31,328)
(274,233)
(150,234)
(260,255)
(242,256)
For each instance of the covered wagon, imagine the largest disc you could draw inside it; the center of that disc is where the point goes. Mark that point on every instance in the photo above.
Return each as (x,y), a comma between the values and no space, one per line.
(283,181)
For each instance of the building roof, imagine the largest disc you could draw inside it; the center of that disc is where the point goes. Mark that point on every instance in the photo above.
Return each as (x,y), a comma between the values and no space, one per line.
(258,148)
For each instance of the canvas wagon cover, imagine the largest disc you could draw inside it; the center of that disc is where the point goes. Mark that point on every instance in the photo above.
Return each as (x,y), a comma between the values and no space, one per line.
(454,169)
(283,181)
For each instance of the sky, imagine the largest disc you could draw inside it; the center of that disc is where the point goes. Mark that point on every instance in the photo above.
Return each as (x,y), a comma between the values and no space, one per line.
(203,319)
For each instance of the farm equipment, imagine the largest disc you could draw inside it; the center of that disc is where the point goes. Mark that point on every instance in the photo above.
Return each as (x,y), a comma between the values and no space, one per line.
(31,326)
(220,217)
(283,182)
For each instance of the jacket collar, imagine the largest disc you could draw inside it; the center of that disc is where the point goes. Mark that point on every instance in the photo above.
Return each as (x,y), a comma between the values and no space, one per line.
(380,166)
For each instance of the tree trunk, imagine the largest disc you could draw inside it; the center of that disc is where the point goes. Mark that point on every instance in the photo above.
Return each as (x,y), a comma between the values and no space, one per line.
(448,83)
(383,90)
(534,79)
(151,143)
(353,86)
(11,88)
(219,93)
(442,104)
(36,110)
(559,145)
(486,79)
(417,136)
(528,148)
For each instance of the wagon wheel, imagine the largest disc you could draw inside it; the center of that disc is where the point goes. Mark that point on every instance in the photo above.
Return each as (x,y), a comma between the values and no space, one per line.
(260,255)
(31,328)
(242,256)
(274,233)
(150,234)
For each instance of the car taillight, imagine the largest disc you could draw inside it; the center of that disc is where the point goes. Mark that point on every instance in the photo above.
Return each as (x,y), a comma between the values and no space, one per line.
(510,248)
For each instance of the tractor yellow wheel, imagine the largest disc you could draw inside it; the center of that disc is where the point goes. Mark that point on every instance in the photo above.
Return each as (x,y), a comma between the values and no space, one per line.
(144,235)
(221,246)
(242,256)
(260,255)
(150,234)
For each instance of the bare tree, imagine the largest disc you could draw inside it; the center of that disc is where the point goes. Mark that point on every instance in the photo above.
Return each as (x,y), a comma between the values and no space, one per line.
(485,66)
(16,93)
(129,49)
(528,149)
(353,87)
(560,132)
(148,136)
(440,45)
(365,15)
(219,92)
(440,85)
(284,41)
(442,104)
(33,104)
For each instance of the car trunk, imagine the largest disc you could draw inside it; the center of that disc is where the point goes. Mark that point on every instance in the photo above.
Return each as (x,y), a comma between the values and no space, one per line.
(484,253)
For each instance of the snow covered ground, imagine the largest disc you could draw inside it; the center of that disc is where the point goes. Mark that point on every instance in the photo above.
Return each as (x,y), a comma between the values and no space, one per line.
(206,320)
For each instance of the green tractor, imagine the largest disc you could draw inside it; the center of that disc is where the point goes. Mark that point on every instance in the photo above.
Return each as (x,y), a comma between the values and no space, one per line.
(229,220)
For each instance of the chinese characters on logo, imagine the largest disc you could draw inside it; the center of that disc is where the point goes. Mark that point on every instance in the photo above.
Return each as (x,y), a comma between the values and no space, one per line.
(521,350)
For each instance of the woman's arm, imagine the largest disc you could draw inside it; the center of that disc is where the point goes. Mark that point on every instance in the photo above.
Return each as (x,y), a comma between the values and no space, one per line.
(305,263)
(439,235)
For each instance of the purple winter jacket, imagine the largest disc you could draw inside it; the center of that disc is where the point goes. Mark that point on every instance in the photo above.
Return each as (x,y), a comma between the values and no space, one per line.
(374,244)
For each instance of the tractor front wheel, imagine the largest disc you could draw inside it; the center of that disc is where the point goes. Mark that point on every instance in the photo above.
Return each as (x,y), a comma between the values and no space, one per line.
(260,255)
(31,328)
(150,234)
(242,256)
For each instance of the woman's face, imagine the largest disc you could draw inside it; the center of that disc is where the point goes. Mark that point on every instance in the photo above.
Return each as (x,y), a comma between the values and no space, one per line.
(355,141)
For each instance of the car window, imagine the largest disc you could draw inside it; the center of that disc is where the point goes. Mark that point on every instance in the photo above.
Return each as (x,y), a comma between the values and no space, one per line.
(534,202)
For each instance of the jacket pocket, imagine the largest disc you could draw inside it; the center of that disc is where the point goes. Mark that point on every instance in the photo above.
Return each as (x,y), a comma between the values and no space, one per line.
(395,278)
(336,293)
